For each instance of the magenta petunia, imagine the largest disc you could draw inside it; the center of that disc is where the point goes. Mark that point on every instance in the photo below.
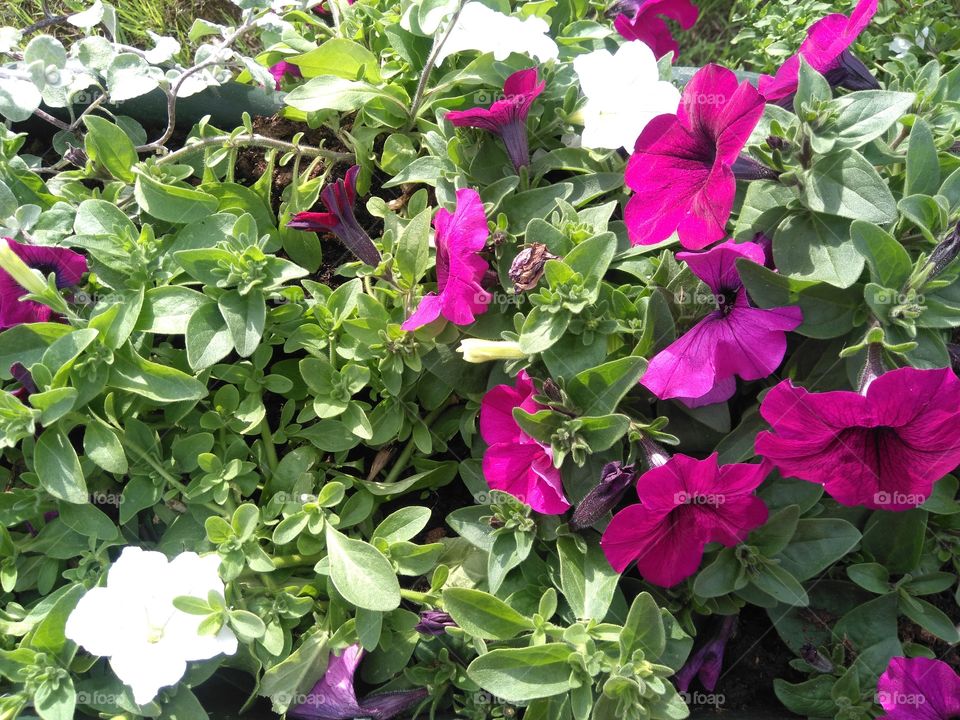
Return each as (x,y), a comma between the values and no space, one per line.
(339,198)
(516,463)
(681,171)
(507,117)
(735,340)
(643,20)
(919,689)
(826,50)
(684,504)
(333,697)
(460,237)
(283,69)
(67,266)
(884,449)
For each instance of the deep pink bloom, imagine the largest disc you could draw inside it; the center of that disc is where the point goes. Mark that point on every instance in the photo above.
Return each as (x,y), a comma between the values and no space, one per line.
(884,449)
(919,689)
(334,697)
(684,504)
(66,265)
(340,219)
(516,463)
(682,169)
(282,69)
(825,50)
(507,118)
(707,662)
(459,239)
(736,339)
(643,20)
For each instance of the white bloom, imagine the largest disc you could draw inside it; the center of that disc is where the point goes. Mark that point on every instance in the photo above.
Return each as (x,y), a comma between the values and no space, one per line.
(624,92)
(133,621)
(476,350)
(486,30)
(900,46)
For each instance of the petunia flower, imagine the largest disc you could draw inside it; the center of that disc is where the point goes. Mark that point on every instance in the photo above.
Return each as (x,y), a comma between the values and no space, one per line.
(339,199)
(919,689)
(684,504)
(826,50)
(19,264)
(282,69)
(434,622)
(682,168)
(624,93)
(707,662)
(507,118)
(481,28)
(132,620)
(460,237)
(883,449)
(514,462)
(736,339)
(334,697)
(643,20)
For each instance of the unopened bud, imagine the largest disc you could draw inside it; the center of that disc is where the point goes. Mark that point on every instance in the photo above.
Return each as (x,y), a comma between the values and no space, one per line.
(527,267)
(615,478)
(476,350)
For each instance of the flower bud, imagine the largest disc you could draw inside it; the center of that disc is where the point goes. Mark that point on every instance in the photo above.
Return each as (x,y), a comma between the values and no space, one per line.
(615,478)
(527,267)
(815,659)
(75,156)
(944,253)
(476,350)
(434,622)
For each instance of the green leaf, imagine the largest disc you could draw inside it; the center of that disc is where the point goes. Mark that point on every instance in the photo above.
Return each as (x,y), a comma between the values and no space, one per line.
(860,117)
(844,183)
(817,544)
(521,674)
(413,248)
(157,382)
(482,615)
(208,337)
(599,390)
(817,247)
(245,316)
(888,260)
(58,467)
(297,673)
(89,521)
(111,147)
(172,203)
(895,539)
(361,573)
(643,629)
(404,524)
(167,309)
(930,618)
(777,582)
(542,329)
(341,57)
(812,89)
(720,577)
(923,166)
(810,698)
(101,444)
(586,578)
(328,92)
(536,203)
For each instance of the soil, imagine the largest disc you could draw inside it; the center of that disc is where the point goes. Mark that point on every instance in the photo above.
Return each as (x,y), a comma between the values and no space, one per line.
(909,632)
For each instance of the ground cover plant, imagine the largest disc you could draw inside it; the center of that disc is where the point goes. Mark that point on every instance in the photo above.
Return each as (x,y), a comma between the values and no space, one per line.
(460,358)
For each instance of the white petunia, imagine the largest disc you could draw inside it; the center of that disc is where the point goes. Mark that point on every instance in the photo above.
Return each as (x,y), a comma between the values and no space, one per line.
(486,30)
(132,619)
(624,92)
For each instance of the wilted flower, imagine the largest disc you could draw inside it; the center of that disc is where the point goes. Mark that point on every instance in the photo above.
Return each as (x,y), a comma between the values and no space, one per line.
(283,69)
(476,350)
(460,237)
(516,463)
(735,340)
(434,622)
(883,449)
(76,156)
(334,697)
(684,504)
(682,169)
(826,50)
(919,689)
(615,478)
(340,219)
(815,659)
(643,20)
(133,621)
(707,662)
(624,92)
(527,267)
(507,118)
(19,265)
(486,30)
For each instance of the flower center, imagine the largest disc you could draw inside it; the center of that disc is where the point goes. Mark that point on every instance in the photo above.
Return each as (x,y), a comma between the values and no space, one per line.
(154,634)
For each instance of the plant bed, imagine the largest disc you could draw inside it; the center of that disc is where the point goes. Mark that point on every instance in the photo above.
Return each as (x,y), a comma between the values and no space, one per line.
(467,359)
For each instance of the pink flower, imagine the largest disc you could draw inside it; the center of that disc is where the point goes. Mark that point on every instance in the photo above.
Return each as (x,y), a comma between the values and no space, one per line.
(643,20)
(339,198)
(884,449)
(283,68)
(516,463)
(66,265)
(460,238)
(736,339)
(825,49)
(682,168)
(507,118)
(684,504)
(919,689)
(707,662)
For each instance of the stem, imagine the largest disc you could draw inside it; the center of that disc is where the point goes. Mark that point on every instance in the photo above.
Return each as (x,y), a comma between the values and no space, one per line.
(432,60)
(269,448)
(904,132)
(418,597)
(57,122)
(255,140)
(400,465)
(296,560)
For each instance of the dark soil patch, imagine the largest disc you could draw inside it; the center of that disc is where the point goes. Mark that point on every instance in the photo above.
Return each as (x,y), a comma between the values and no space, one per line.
(910,632)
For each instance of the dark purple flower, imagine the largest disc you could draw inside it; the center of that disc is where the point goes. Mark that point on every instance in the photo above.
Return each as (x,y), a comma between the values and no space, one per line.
(66,265)
(434,622)
(707,662)
(284,69)
(340,220)
(615,478)
(22,376)
(507,118)
(334,697)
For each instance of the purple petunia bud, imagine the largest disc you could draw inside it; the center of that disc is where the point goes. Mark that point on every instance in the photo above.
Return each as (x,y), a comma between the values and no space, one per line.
(615,478)
(75,156)
(944,253)
(527,268)
(851,73)
(434,622)
(707,662)
(746,168)
(815,659)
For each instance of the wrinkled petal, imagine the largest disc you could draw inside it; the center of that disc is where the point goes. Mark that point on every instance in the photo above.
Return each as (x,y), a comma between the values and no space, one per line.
(717,267)
(919,689)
